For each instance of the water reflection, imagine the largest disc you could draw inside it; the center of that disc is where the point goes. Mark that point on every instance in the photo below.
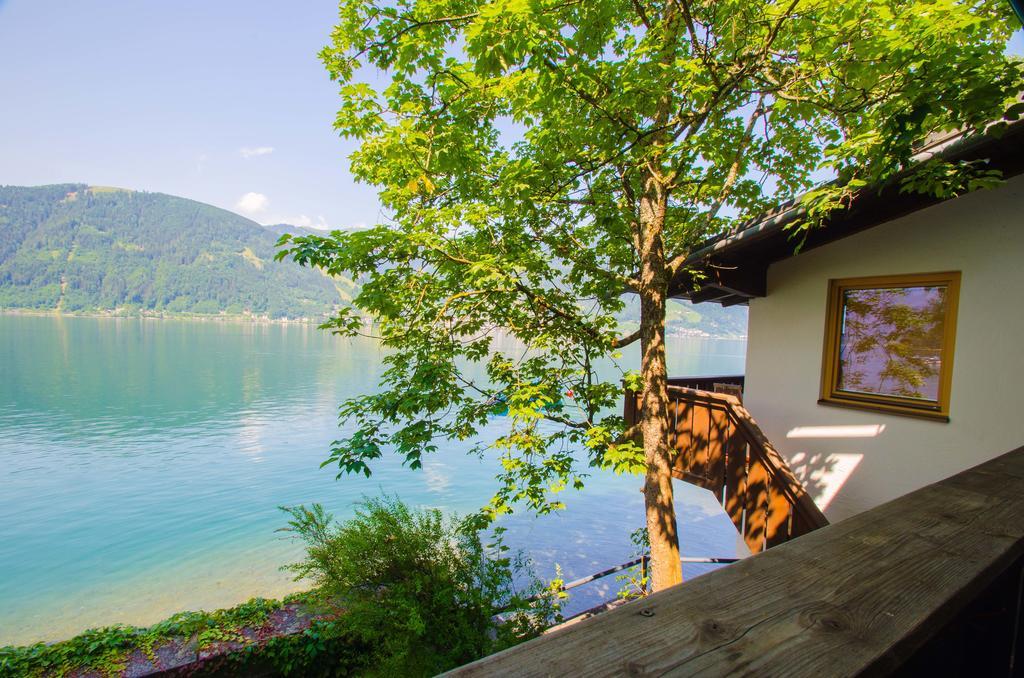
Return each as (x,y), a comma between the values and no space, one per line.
(141,464)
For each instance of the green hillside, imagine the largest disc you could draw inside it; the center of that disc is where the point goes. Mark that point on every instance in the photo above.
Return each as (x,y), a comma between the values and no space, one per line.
(89,249)
(76,248)
(684,318)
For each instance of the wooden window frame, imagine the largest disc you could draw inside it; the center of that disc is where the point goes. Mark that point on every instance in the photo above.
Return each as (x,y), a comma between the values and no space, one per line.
(901,405)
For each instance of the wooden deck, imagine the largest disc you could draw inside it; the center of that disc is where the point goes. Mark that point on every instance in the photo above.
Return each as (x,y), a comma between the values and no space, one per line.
(927,584)
(721,448)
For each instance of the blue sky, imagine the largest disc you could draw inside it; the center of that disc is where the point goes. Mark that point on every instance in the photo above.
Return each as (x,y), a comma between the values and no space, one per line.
(207,99)
(1016,45)
(222,101)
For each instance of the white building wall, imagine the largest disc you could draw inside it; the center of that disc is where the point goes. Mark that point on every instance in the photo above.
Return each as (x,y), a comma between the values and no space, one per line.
(852,460)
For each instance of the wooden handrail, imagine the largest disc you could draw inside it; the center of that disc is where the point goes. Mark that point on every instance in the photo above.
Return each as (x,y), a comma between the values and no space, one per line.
(721,448)
(707,383)
(927,584)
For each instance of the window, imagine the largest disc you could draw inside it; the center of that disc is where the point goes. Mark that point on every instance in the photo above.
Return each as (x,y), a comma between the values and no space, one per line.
(889,343)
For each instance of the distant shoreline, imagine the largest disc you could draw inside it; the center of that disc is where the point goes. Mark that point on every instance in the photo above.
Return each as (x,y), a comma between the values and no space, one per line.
(672,332)
(163,315)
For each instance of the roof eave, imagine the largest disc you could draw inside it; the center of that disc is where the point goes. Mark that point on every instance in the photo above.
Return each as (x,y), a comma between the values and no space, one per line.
(731,265)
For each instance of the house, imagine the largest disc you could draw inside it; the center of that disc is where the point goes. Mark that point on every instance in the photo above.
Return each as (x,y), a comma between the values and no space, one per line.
(879,421)
(852,427)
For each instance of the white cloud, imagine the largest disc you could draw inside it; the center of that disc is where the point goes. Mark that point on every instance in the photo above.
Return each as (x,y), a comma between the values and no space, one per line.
(254,151)
(256,206)
(304,221)
(252,204)
(320,223)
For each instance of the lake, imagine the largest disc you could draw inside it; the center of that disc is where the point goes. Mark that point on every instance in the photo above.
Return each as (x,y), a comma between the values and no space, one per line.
(142,463)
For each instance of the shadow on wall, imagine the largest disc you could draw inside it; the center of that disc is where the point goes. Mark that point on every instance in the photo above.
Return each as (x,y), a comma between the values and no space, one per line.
(824,474)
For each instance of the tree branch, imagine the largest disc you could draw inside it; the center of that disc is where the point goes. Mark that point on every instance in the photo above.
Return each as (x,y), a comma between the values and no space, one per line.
(592,101)
(413,25)
(641,13)
(626,340)
(565,421)
(734,169)
(632,433)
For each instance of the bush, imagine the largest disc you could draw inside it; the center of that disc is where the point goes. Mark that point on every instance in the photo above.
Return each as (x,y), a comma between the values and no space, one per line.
(418,588)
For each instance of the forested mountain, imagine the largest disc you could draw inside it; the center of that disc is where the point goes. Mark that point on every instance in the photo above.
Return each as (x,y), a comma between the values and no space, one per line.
(684,318)
(79,248)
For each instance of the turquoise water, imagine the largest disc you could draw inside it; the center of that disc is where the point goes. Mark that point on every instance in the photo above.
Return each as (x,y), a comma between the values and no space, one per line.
(142,463)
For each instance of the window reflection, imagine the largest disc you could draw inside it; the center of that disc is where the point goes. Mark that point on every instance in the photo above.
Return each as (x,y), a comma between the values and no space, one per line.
(891,341)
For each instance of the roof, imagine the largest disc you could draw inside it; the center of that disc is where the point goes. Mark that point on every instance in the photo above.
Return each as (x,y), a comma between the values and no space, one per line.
(735,265)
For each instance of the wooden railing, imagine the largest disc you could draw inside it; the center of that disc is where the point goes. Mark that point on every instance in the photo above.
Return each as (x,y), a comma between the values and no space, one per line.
(721,448)
(929,584)
(707,383)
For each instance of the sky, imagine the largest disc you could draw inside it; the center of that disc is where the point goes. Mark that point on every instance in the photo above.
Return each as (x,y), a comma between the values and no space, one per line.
(222,101)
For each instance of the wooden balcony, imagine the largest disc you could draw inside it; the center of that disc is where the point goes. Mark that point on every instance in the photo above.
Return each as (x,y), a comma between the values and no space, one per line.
(928,584)
(721,448)
(707,383)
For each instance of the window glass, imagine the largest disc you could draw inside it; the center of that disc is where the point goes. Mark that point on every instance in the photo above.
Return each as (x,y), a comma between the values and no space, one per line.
(891,341)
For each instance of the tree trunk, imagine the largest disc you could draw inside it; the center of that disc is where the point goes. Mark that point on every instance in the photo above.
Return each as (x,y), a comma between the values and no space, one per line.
(662,530)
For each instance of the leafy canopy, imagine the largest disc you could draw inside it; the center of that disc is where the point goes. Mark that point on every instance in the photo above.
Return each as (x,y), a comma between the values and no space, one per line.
(512,143)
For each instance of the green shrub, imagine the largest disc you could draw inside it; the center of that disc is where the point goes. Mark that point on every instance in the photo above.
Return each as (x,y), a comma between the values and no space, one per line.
(418,588)
(105,651)
(101,651)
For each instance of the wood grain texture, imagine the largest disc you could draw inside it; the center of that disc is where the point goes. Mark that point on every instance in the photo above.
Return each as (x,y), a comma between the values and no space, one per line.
(858,597)
(765,501)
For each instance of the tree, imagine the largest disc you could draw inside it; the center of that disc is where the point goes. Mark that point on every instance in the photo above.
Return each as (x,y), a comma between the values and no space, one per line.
(540,159)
